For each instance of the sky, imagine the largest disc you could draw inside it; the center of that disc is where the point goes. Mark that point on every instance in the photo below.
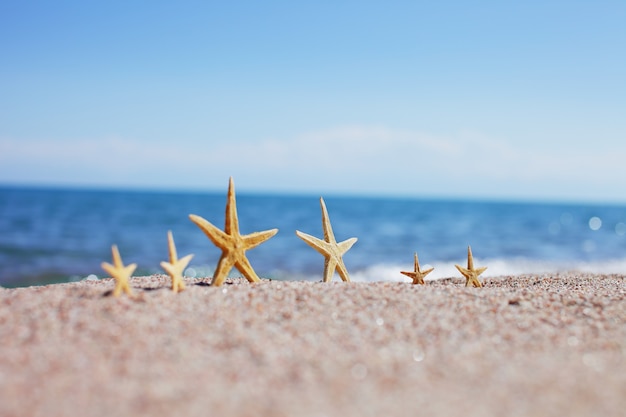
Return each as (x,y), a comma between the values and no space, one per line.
(453,99)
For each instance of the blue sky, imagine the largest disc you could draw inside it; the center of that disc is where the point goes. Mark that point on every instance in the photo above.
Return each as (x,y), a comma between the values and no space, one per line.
(436,99)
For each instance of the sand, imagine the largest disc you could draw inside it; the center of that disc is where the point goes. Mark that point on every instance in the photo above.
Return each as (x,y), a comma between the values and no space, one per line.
(551,345)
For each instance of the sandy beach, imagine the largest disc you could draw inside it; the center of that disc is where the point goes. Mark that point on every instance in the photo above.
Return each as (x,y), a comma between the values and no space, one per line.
(550,345)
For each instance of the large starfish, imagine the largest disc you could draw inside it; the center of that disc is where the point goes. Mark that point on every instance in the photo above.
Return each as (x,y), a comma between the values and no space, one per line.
(329,248)
(119,272)
(418,275)
(175,266)
(471,274)
(231,242)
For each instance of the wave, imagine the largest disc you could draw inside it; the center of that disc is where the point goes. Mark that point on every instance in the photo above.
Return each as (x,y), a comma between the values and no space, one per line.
(391,272)
(495,268)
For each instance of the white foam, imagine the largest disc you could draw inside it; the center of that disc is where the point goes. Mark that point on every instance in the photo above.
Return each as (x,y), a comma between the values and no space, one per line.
(495,267)
(391,271)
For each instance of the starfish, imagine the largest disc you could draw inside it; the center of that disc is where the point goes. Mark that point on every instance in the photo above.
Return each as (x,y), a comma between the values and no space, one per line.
(231,242)
(175,266)
(329,248)
(418,275)
(119,272)
(470,273)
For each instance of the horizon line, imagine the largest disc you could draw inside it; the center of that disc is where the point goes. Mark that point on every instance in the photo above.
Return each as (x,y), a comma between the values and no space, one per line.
(311,193)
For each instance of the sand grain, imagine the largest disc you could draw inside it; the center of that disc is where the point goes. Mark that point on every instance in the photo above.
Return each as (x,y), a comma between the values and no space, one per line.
(521,346)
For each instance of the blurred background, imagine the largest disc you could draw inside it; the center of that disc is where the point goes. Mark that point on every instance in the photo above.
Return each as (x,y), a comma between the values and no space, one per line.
(416,120)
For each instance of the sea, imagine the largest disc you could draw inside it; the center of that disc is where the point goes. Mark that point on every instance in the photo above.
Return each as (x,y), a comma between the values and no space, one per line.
(52,235)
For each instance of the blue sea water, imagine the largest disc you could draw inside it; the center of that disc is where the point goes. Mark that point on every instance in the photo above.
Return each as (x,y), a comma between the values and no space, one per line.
(60,235)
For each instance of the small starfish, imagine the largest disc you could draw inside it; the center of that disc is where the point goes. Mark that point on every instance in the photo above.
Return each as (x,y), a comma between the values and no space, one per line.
(470,273)
(418,275)
(329,248)
(231,242)
(119,272)
(175,266)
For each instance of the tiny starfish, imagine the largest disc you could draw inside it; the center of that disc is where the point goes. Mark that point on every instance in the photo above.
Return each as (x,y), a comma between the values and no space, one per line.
(329,248)
(418,275)
(470,273)
(119,272)
(231,242)
(175,266)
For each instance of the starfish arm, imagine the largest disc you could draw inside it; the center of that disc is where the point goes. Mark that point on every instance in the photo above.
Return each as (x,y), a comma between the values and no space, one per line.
(178,267)
(411,275)
(428,271)
(232,220)
(171,247)
(342,271)
(480,270)
(218,237)
(169,268)
(178,285)
(109,269)
(417,276)
(317,244)
(173,270)
(246,269)
(329,236)
(416,268)
(346,245)
(329,269)
(176,272)
(117,259)
(129,269)
(117,291)
(470,258)
(466,273)
(473,281)
(221,272)
(255,239)
(121,274)
(184,261)
(125,287)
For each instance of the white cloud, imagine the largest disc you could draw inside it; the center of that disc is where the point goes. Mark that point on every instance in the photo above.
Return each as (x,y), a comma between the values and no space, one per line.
(342,149)
(381,159)
(350,158)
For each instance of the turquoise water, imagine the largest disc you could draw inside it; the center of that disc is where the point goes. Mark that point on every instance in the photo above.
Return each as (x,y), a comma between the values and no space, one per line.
(56,235)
